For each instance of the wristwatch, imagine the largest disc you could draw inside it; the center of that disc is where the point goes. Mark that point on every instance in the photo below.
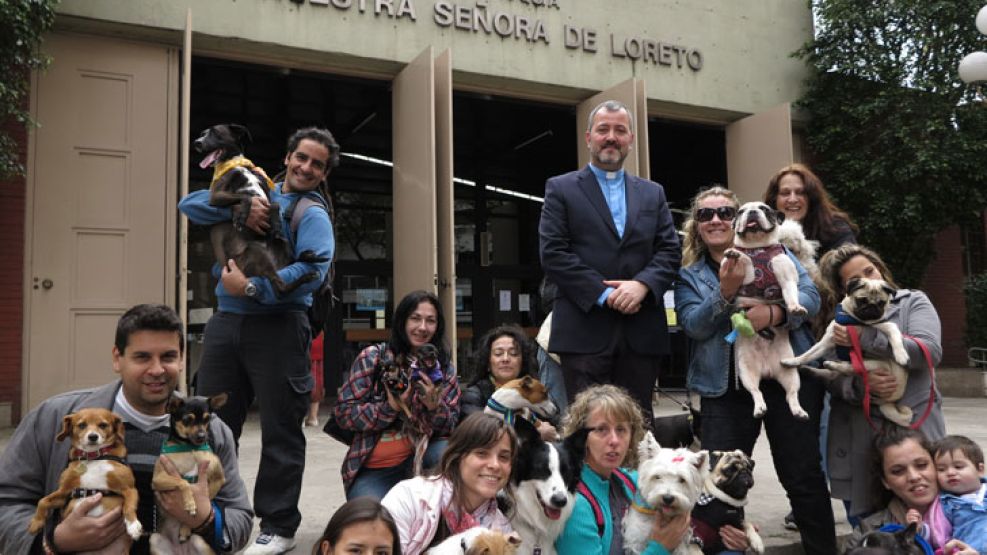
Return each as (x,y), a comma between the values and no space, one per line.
(250,289)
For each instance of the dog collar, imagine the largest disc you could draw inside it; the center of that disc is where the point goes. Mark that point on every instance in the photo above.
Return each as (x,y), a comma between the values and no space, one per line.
(168,447)
(510,415)
(641,506)
(102,454)
(236,162)
(79,493)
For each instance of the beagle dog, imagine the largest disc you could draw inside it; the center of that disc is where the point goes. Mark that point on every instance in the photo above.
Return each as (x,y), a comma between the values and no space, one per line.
(97,464)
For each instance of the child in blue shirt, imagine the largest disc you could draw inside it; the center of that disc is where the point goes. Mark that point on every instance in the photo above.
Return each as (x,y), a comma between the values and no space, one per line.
(960,470)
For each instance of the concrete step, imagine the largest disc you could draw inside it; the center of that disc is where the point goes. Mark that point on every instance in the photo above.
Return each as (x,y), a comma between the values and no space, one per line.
(962,382)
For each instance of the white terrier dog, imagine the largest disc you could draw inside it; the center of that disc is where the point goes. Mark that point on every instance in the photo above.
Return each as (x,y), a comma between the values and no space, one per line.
(669,482)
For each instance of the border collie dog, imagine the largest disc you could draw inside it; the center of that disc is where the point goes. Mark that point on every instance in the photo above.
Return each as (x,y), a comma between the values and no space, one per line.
(545,480)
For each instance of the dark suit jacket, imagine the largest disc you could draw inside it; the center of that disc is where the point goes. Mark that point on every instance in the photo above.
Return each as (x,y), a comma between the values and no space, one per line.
(580,248)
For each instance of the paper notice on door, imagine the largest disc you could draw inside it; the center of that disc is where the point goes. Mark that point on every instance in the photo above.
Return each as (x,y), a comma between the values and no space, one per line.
(505,300)
(524,302)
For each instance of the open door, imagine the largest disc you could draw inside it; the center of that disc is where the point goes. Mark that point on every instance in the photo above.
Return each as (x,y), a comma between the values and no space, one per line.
(415,247)
(445,212)
(102,216)
(757,147)
(632,94)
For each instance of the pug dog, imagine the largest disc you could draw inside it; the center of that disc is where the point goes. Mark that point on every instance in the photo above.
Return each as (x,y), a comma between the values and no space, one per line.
(864,305)
(725,493)
(770,277)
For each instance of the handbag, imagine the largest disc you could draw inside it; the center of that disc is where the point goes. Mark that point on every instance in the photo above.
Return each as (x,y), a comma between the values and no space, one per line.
(332,427)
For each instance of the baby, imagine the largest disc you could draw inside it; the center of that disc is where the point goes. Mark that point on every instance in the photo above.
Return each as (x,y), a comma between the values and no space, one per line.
(960,468)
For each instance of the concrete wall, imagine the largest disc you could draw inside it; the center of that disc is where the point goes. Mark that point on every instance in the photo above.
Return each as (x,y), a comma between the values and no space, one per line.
(744,44)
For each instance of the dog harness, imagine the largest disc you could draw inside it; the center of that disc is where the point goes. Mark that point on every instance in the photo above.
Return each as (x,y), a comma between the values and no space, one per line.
(241,161)
(170,446)
(583,490)
(765,284)
(79,493)
(509,414)
(709,515)
(103,454)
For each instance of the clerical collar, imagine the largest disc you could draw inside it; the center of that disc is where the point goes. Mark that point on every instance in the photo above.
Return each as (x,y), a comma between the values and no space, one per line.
(609,175)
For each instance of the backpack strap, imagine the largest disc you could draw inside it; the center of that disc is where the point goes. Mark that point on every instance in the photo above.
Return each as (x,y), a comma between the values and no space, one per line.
(581,489)
(626,479)
(298,207)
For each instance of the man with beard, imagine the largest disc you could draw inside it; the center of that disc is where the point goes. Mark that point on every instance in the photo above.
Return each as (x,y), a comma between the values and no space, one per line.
(608,242)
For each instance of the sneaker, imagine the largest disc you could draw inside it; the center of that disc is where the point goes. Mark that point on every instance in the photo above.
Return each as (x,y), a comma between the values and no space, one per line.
(270,544)
(311,422)
(790,521)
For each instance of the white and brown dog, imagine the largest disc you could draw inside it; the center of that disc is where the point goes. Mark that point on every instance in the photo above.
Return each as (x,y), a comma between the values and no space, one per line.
(669,482)
(478,541)
(97,464)
(770,277)
(521,397)
(864,305)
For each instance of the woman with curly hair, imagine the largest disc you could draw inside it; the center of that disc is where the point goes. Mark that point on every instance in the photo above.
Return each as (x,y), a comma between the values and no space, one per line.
(616,427)
(505,353)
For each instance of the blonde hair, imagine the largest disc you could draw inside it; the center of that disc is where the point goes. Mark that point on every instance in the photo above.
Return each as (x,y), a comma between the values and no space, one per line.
(616,404)
(693,247)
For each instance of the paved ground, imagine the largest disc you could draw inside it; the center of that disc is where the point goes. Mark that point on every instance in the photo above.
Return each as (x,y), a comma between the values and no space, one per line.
(322,491)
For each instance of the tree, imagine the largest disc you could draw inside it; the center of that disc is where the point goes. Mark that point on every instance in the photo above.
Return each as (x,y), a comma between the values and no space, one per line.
(901,141)
(23,22)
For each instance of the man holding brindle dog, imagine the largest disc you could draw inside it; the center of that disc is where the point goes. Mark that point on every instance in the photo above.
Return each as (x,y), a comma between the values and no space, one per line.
(148,354)
(257,343)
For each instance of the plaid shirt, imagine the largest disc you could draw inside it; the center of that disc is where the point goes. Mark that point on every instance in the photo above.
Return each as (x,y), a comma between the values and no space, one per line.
(363,409)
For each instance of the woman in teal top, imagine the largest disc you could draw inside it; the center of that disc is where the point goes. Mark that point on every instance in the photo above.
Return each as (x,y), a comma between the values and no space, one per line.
(594,528)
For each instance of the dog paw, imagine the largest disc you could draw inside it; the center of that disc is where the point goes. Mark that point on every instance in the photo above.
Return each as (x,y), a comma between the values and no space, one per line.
(760,410)
(790,363)
(190,508)
(756,544)
(800,413)
(797,310)
(36,525)
(731,253)
(901,358)
(134,529)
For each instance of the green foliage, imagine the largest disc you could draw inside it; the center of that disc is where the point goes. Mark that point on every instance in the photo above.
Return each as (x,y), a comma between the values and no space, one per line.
(976,310)
(901,141)
(23,22)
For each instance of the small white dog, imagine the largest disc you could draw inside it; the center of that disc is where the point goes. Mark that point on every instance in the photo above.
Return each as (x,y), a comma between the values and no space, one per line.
(864,305)
(669,483)
(770,277)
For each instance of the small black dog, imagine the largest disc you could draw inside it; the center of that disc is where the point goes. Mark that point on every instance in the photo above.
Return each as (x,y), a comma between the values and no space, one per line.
(677,430)
(186,446)
(236,181)
(427,362)
(900,542)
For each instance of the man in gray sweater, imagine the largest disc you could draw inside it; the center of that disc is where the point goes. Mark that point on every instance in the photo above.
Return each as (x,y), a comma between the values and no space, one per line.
(148,355)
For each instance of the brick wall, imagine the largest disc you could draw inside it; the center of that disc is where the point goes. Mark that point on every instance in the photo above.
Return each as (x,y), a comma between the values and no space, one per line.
(12,214)
(944,285)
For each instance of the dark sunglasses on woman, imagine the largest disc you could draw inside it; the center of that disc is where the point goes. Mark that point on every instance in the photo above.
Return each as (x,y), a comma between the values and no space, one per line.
(726,213)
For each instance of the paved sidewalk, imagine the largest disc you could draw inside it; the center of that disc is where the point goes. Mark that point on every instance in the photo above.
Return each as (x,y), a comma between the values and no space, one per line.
(322,491)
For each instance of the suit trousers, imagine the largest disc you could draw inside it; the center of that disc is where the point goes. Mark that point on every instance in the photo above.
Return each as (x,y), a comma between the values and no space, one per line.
(728,423)
(616,364)
(264,356)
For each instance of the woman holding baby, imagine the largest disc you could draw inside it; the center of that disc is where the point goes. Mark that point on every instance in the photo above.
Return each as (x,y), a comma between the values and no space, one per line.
(704,301)
(909,490)
(850,433)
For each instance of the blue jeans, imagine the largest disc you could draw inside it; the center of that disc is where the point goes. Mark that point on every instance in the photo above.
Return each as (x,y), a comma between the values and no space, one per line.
(550,374)
(728,423)
(376,482)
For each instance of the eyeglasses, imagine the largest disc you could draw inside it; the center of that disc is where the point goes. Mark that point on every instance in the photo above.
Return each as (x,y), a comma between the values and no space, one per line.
(725,213)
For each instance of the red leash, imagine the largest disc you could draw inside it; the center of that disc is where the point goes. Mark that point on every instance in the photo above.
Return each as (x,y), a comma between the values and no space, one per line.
(857,360)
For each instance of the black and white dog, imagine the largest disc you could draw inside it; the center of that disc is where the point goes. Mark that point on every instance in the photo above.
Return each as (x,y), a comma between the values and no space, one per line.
(235,182)
(545,480)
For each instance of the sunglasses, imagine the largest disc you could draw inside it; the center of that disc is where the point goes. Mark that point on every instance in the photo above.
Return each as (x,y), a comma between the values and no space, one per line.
(726,213)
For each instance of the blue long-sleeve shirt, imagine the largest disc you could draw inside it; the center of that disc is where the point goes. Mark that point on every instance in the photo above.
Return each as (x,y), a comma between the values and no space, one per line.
(314,234)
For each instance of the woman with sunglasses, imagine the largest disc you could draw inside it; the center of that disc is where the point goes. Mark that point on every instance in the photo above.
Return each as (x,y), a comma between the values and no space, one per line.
(704,301)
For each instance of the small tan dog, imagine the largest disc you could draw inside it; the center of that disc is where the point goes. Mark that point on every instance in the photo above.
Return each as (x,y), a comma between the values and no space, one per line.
(525,397)
(97,464)
(186,447)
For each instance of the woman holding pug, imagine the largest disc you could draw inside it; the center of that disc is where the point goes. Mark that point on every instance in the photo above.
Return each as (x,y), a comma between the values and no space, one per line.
(394,430)
(704,301)
(902,459)
(850,434)
(505,353)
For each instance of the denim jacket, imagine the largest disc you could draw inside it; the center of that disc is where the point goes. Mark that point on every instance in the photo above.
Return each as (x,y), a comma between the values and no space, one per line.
(705,317)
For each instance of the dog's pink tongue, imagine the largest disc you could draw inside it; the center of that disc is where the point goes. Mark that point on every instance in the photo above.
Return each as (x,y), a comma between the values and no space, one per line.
(553,513)
(210,159)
